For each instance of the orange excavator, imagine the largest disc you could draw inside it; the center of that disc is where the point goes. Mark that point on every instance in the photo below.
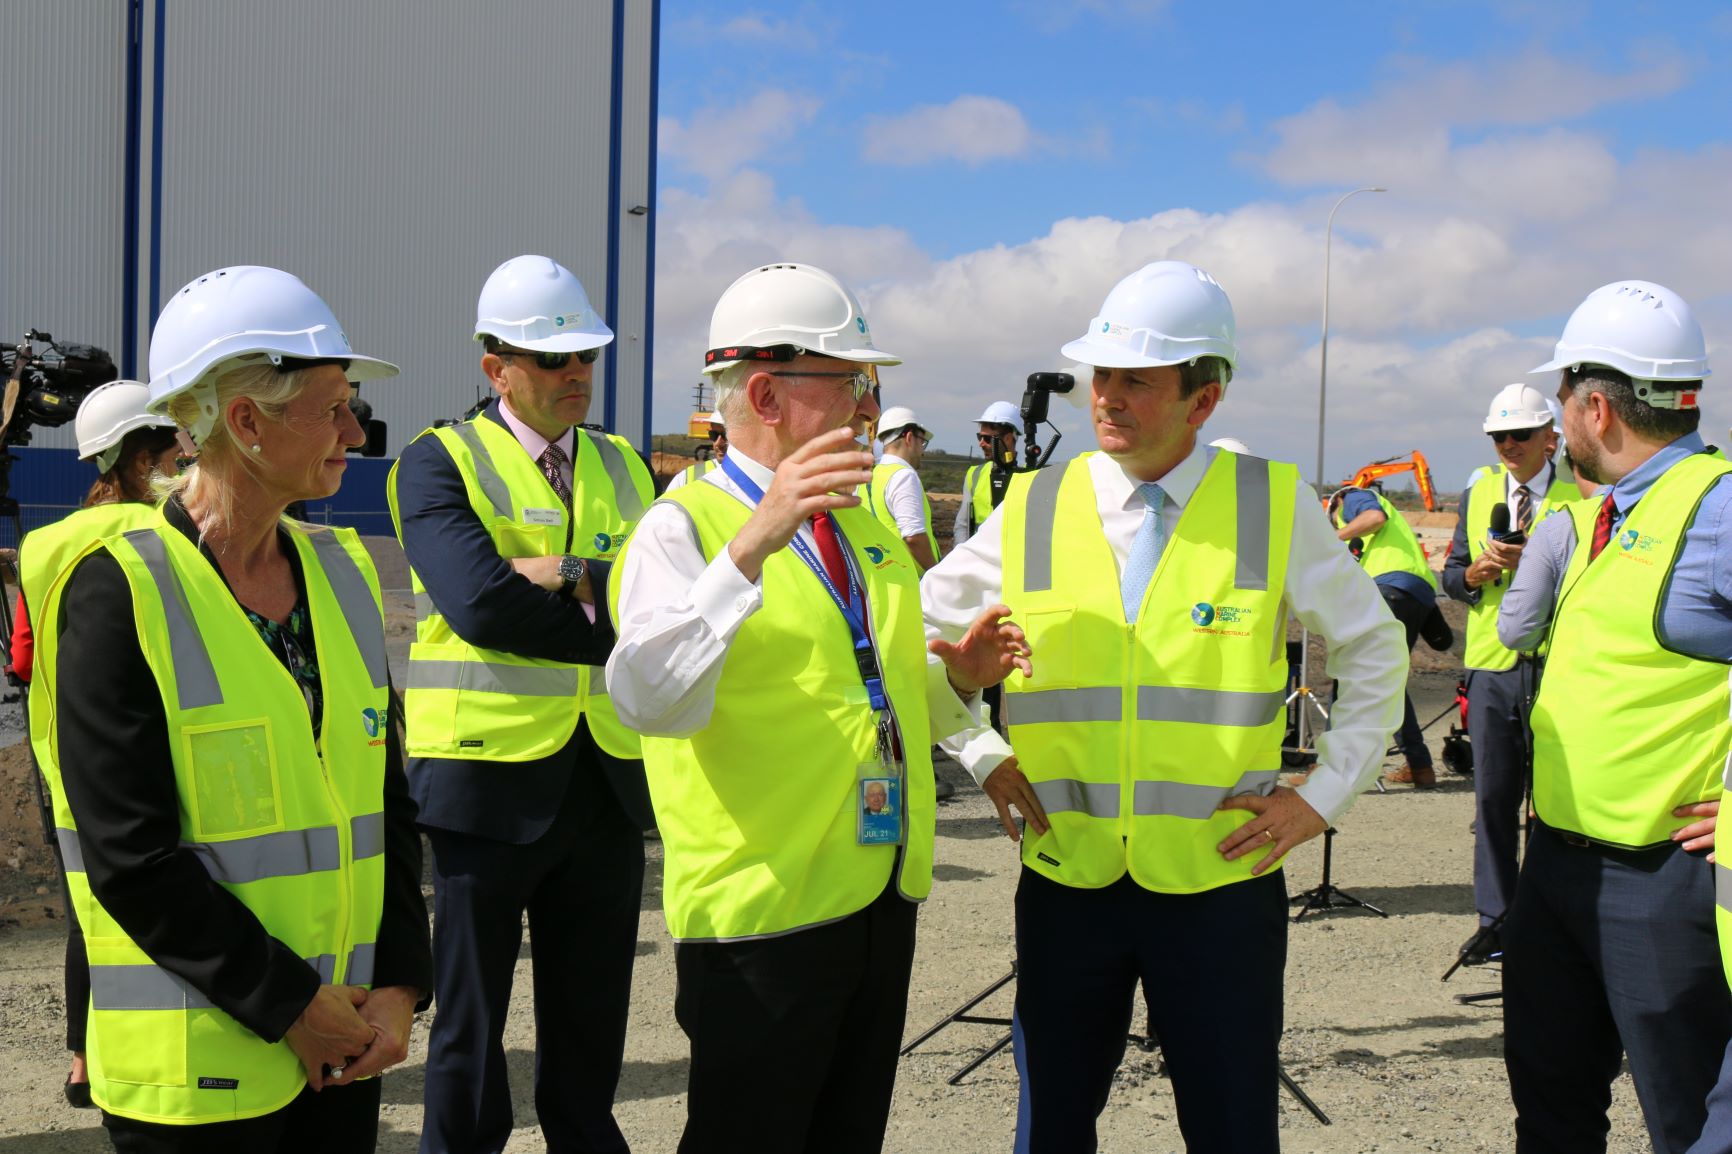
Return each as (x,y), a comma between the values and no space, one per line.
(1375,472)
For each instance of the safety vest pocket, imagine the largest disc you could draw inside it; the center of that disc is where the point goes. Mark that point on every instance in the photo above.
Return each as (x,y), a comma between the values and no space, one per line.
(1051,633)
(518,540)
(234,778)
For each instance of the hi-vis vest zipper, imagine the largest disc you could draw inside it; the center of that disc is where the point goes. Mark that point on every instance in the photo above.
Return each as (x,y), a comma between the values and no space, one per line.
(1133,732)
(469,703)
(292,825)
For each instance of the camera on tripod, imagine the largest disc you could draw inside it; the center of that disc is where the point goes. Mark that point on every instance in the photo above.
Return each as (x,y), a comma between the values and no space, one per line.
(46,381)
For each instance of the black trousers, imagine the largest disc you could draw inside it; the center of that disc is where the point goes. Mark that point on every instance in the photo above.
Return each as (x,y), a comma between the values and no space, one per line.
(1411,612)
(1498,706)
(581,883)
(335,1120)
(794,1038)
(1609,953)
(75,971)
(1210,965)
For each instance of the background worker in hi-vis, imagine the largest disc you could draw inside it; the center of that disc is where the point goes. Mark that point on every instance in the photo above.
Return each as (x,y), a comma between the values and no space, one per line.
(1153,579)
(531,790)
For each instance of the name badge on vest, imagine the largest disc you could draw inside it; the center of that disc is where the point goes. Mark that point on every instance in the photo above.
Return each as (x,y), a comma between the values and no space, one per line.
(544,516)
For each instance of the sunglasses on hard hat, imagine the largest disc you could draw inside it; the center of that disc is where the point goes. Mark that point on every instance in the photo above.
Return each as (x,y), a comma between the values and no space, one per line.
(1519,436)
(552,361)
(859,383)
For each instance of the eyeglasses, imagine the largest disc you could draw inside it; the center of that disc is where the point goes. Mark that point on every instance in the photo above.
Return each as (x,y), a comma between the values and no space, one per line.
(552,361)
(859,383)
(1519,436)
(717,434)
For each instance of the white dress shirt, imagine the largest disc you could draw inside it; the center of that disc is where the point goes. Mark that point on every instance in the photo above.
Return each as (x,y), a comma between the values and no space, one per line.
(678,613)
(905,497)
(1537,486)
(1326,589)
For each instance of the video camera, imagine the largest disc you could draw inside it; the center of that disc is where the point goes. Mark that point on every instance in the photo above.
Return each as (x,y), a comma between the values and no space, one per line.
(46,381)
(1036,404)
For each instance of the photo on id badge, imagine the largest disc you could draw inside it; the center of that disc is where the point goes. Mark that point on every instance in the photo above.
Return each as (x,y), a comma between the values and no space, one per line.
(880,809)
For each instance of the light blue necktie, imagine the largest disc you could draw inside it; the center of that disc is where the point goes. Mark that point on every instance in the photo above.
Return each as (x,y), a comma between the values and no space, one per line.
(1145,551)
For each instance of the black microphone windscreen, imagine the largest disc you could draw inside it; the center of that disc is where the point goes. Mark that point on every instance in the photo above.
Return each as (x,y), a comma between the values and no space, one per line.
(1500,518)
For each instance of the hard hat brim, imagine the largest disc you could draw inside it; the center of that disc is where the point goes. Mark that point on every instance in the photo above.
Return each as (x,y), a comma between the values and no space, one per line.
(1103,356)
(576,341)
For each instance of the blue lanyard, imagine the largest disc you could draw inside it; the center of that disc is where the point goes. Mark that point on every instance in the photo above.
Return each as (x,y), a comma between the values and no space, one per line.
(853,606)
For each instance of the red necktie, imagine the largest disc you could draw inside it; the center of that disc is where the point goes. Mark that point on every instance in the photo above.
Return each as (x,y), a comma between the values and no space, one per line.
(830,552)
(1603,526)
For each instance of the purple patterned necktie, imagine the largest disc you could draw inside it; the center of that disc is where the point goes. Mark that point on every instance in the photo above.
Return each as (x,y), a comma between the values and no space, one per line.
(552,462)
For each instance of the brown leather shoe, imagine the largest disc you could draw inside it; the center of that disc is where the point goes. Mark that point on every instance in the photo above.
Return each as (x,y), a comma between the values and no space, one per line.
(1411,775)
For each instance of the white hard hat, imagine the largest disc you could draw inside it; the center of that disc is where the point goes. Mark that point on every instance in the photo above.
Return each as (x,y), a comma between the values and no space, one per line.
(716,419)
(535,303)
(1231,444)
(1001,413)
(1517,406)
(109,413)
(895,419)
(779,307)
(1645,331)
(1165,313)
(243,311)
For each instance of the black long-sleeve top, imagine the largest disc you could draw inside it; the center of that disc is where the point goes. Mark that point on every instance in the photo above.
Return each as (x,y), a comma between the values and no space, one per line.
(118,774)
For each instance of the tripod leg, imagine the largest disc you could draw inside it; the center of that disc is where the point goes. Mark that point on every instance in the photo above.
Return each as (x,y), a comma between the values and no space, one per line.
(1304,1098)
(956,1078)
(957,1014)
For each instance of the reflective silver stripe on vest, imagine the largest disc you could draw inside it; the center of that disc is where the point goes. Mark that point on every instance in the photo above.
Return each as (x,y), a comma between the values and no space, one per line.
(356,600)
(367,835)
(423,607)
(1039,513)
(1068,795)
(148,987)
(1207,706)
(491,677)
(493,486)
(1251,500)
(143,987)
(291,853)
(194,674)
(359,971)
(1050,705)
(1182,799)
(625,494)
(1722,886)
(71,853)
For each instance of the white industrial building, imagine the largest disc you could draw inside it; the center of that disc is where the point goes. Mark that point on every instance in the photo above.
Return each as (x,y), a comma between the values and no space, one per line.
(391,153)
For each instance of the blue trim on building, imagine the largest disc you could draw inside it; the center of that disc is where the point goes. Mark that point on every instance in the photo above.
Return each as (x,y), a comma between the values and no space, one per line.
(616,134)
(156,165)
(129,210)
(649,304)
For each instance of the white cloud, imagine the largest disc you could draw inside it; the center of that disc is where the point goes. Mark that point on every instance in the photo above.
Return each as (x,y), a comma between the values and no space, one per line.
(719,141)
(970,129)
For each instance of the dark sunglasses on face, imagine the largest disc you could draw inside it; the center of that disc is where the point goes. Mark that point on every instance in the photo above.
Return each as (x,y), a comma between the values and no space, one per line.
(1519,436)
(553,361)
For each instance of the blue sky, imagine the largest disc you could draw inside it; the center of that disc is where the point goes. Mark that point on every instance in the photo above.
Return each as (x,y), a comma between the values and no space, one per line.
(983,173)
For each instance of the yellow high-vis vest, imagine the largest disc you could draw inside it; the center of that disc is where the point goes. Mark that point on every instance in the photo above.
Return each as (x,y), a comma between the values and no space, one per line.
(1133,733)
(1393,547)
(289,822)
(873,495)
(758,809)
(1626,730)
(695,470)
(475,704)
(44,555)
(977,491)
(1484,650)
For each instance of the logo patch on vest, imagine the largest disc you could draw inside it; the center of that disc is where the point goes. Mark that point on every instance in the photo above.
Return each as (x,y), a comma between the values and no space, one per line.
(373,722)
(880,557)
(1219,619)
(606,543)
(470,743)
(1049,861)
(219,1083)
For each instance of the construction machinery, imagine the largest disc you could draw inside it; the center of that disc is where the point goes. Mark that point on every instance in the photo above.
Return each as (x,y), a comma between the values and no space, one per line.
(698,424)
(1374,473)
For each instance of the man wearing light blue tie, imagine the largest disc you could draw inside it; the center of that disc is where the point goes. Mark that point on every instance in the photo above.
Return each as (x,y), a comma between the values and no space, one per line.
(1153,579)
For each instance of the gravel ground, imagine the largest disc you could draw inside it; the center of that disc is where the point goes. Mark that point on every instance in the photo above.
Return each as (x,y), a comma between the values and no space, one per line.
(1372,1035)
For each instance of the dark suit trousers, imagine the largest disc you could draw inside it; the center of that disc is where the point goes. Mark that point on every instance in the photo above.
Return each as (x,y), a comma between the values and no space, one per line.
(794,1038)
(1411,612)
(1610,953)
(1210,965)
(1497,724)
(581,884)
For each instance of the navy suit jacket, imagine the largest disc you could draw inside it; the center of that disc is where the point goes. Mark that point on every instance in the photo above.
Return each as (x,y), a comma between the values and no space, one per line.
(488,605)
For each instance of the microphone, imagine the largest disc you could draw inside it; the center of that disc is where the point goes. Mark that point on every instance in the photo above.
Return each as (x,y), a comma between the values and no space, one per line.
(1499,522)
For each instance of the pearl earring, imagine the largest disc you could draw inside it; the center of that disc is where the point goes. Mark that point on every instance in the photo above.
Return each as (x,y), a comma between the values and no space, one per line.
(258,448)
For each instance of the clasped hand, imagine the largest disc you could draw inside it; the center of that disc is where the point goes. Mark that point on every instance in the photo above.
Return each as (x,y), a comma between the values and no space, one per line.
(352,1033)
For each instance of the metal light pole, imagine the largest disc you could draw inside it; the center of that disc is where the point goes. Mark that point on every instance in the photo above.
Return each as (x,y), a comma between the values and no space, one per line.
(1301,735)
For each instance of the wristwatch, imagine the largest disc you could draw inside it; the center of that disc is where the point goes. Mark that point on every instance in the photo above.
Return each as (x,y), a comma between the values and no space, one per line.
(571,571)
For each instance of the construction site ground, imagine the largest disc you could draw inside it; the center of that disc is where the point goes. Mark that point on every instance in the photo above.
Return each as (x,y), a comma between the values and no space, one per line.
(1372,1035)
